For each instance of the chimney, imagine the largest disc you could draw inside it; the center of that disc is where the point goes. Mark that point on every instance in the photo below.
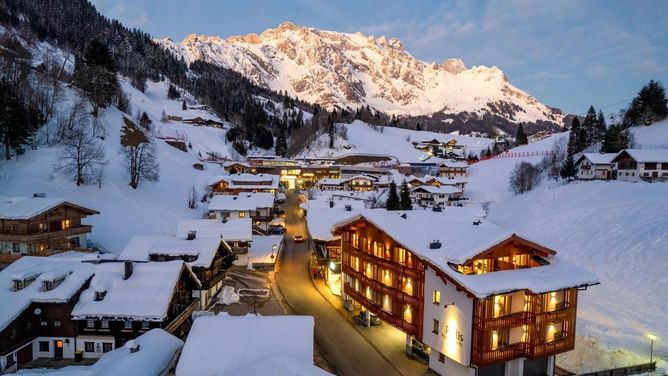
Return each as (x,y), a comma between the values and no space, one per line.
(404,216)
(40,195)
(331,204)
(477,223)
(349,208)
(225,220)
(191,235)
(99,295)
(435,244)
(128,270)
(132,345)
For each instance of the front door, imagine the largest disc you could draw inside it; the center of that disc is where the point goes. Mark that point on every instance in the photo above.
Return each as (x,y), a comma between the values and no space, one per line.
(58,349)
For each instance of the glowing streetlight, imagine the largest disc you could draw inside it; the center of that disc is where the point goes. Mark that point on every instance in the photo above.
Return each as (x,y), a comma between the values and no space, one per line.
(652,337)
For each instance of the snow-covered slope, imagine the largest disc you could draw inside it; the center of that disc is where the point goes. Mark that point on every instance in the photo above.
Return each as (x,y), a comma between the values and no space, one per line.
(617,230)
(152,209)
(396,142)
(654,136)
(351,70)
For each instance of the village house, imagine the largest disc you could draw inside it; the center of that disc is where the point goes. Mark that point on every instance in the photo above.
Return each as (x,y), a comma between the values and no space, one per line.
(37,295)
(127,299)
(453,169)
(596,166)
(262,253)
(235,167)
(430,196)
(484,300)
(235,184)
(437,181)
(642,165)
(250,345)
(237,232)
(207,257)
(257,206)
(38,226)
(355,183)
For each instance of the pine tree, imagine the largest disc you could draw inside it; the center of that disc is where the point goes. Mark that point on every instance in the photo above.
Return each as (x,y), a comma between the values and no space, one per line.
(616,139)
(331,130)
(281,147)
(405,197)
(568,169)
(95,74)
(589,129)
(184,106)
(393,202)
(172,93)
(648,106)
(601,126)
(17,121)
(573,138)
(520,136)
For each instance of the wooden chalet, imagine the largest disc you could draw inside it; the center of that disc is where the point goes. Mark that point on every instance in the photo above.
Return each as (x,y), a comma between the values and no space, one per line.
(434,276)
(41,226)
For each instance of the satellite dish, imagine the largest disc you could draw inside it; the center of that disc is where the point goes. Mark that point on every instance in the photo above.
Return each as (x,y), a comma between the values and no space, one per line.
(38,311)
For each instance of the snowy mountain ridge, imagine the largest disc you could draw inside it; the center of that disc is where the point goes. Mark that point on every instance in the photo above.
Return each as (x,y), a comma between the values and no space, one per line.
(351,70)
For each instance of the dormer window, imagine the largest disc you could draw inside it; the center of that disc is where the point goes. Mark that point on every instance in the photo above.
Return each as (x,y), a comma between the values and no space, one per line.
(21,283)
(99,295)
(49,285)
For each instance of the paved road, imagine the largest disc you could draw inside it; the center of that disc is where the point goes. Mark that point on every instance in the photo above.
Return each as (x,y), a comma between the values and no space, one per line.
(345,349)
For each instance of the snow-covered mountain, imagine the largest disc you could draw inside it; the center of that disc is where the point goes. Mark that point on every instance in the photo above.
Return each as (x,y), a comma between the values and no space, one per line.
(351,70)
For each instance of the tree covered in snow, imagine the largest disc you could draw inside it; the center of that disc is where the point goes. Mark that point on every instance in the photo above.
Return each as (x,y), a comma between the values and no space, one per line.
(281,146)
(523,177)
(405,197)
(650,105)
(139,153)
(393,202)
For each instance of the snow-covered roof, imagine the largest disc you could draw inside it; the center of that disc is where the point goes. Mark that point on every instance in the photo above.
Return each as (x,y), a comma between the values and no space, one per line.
(261,249)
(460,241)
(321,219)
(598,158)
(26,207)
(249,345)
(330,181)
(236,163)
(444,180)
(144,296)
(243,201)
(14,302)
(157,351)
(647,155)
(140,247)
(236,229)
(444,189)
(248,181)
(454,164)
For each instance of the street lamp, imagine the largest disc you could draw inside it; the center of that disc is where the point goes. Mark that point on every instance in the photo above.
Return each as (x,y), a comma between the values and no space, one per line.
(652,337)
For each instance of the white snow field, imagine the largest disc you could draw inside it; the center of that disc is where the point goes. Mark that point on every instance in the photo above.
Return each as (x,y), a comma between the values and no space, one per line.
(153,208)
(654,136)
(396,142)
(618,231)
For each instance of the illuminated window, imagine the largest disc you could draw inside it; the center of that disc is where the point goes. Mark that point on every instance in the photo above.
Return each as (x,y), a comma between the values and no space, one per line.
(387,278)
(401,255)
(408,314)
(436,297)
(408,285)
(242,214)
(65,224)
(387,303)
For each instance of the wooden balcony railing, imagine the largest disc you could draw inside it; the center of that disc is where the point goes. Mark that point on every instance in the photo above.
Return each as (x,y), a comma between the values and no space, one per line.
(44,236)
(509,321)
(551,348)
(184,316)
(384,263)
(501,354)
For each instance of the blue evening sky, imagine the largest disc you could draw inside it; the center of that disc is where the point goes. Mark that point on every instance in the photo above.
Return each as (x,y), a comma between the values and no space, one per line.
(567,53)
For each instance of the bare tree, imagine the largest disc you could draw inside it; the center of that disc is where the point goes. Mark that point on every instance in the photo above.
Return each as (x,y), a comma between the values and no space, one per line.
(81,154)
(551,163)
(139,153)
(192,198)
(523,177)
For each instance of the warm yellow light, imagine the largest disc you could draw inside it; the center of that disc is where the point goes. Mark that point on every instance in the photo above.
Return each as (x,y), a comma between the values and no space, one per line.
(386,303)
(368,293)
(495,340)
(652,336)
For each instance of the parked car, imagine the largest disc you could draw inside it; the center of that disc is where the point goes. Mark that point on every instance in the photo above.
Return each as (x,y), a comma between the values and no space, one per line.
(299,239)
(276,230)
(361,319)
(420,350)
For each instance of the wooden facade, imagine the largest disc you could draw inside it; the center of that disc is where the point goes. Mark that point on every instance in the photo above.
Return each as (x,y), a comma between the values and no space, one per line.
(177,321)
(57,229)
(383,277)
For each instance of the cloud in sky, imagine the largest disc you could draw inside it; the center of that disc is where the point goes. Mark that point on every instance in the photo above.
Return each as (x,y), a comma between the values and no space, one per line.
(563,52)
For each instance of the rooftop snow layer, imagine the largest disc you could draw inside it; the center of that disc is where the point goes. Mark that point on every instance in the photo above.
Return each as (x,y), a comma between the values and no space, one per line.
(237,229)
(42,268)
(260,181)
(243,201)
(140,247)
(600,158)
(145,296)
(648,155)
(445,189)
(321,219)
(219,345)
(26,207)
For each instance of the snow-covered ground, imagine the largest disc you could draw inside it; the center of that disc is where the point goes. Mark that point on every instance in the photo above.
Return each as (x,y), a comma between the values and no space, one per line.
(153,208)
(395,142)
(651,137)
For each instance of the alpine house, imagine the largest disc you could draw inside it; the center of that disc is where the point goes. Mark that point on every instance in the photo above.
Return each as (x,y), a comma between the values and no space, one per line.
(484,301)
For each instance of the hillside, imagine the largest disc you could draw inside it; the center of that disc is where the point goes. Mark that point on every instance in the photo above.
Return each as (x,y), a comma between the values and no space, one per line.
(353,70)
(617,230)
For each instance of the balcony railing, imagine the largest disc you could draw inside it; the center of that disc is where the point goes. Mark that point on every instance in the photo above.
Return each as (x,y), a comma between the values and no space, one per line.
(509,321)
(381,262)
(500,354)
(182,317)
(44,236)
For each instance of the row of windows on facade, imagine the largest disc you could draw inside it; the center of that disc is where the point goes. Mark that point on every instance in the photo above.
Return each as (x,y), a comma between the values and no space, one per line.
(41,226)
(104,324)
(104,347)
(385,301)
(378,249)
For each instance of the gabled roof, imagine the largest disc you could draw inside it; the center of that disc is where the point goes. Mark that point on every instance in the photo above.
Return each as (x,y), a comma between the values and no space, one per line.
(243,201)
(41,269)
(461,240)
(597,158)
(247,181)
(140,247)
(231,345)
(454,164)
(444,189)
(320,219)
(236,229)
(145,296)
(645,155)
(26,207)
